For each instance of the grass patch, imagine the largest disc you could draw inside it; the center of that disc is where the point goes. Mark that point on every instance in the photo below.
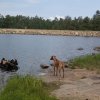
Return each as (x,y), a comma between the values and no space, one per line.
(91,62)
(25,88)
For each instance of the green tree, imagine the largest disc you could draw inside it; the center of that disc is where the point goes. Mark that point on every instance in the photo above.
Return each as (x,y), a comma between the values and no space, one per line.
(96,20)
(1,21)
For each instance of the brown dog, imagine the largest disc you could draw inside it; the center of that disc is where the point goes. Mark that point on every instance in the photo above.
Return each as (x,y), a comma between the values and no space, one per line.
(58,66)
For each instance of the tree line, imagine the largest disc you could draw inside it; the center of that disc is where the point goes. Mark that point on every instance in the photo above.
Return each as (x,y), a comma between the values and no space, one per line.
(67,23)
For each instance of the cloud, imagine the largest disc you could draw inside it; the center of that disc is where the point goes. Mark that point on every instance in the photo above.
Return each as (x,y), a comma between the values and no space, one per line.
(19,7)
(32,1)
(52,18)
(10,5)
(17,3)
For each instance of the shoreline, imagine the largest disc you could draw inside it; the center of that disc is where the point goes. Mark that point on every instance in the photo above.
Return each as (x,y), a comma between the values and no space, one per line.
(51,32)
(78,83)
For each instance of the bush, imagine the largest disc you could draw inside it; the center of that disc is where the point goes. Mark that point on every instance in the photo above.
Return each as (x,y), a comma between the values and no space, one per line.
(90,62)
(25,88)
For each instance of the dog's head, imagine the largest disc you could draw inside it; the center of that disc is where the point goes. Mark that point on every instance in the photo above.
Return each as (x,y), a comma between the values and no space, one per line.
(52,57)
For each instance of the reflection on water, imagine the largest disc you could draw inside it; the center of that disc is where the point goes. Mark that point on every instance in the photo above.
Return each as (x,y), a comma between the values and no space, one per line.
(33,50)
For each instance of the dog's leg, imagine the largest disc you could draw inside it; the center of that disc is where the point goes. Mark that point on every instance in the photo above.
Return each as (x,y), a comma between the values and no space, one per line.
(54,70)
(63,72)
(59,74)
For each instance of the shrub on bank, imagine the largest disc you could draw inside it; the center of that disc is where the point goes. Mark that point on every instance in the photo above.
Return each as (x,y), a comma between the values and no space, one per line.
(90,62)
(25,88)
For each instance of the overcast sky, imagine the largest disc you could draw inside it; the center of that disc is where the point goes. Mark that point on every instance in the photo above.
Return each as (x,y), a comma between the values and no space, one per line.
(49,8)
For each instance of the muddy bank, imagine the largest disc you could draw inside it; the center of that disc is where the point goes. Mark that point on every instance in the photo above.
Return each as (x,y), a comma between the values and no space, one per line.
(78,84)
(50,32)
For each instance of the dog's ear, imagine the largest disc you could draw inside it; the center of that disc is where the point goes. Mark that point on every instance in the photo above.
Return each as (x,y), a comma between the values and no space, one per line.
(51,58)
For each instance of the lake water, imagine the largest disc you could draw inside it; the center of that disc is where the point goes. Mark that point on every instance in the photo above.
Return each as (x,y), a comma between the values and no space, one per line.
(33,50)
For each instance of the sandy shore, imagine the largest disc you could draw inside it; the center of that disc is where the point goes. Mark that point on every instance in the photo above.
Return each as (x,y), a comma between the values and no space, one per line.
(50,32)
(78,84)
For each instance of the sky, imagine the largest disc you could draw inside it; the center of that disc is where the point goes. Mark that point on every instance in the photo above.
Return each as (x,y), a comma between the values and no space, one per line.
(49,8)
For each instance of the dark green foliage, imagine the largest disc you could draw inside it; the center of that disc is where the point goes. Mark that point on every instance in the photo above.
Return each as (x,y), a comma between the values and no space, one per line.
(36,22)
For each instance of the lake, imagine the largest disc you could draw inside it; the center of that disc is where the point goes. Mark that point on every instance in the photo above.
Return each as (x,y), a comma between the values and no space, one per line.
(33,50)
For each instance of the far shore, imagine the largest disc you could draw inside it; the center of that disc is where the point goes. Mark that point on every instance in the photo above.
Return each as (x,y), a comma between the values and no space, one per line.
(50,32)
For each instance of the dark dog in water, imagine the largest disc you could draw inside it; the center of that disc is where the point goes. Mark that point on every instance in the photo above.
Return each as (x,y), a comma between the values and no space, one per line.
(10,65)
